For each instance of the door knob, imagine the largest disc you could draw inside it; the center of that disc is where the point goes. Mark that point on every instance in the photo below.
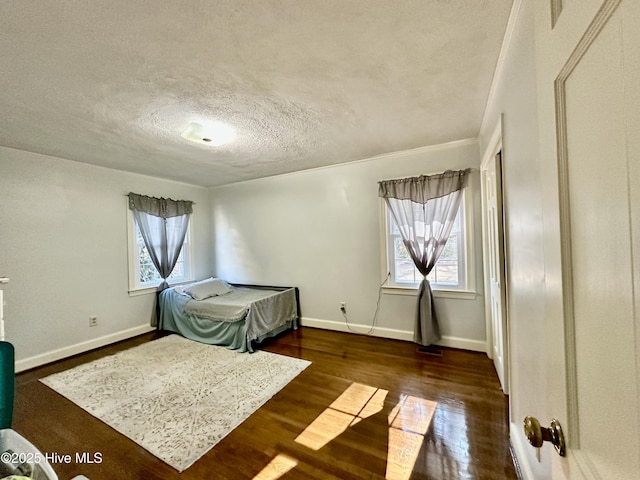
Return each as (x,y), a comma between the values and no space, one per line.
(537,435)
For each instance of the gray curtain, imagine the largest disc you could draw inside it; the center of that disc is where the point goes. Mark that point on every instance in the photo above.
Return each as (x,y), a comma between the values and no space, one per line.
(163,223)
(424,209)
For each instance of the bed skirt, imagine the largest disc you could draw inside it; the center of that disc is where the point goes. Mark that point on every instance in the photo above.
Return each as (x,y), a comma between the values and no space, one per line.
(233,335)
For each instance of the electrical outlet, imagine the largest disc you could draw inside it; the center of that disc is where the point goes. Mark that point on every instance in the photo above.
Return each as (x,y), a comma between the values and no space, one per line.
(343,307)
(93,321)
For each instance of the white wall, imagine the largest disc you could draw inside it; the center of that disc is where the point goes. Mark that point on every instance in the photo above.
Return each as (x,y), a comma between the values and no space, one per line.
(63,244)
(319,230)
(515,96)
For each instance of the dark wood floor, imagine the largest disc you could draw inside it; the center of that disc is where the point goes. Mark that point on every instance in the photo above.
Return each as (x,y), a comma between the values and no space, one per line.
(452,424)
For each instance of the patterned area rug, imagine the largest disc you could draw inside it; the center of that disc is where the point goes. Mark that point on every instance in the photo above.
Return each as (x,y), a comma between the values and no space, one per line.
(175,397)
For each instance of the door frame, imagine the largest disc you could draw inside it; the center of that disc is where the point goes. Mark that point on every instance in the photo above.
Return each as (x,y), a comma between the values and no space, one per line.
(494,147)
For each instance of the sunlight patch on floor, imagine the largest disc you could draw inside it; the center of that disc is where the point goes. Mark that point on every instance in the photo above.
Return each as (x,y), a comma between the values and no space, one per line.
(412,414)
(408,423)
(356,403)
(277,467)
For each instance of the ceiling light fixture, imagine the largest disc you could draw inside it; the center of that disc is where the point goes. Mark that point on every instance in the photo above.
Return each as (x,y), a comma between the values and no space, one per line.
(213,133)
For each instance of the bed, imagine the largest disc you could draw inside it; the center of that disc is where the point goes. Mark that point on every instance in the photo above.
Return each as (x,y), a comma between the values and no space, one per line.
(236,316)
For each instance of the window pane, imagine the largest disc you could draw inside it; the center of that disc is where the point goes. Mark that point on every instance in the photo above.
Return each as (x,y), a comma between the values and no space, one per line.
(400,249)
(178,270)
(148,272)
(447,266)
(446,271)
(405,271)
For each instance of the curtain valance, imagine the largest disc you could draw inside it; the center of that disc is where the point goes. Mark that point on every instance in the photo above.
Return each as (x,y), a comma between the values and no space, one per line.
(425,187)
(160,207)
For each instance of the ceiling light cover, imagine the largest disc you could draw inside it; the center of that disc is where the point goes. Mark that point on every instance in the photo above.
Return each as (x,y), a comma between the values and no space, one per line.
(214,133)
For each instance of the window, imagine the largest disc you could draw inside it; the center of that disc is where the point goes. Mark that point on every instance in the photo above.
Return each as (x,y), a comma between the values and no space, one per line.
(142,273)
(451,270)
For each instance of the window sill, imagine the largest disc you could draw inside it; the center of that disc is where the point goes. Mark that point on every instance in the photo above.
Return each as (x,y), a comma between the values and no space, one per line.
(135,292)
(437,293)
(142,291)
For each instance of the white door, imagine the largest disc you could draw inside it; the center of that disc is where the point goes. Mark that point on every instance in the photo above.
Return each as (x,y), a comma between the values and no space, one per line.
(493,241)
(594,333)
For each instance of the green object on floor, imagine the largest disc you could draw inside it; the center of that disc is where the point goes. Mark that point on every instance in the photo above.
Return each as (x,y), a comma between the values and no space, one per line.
(7,384)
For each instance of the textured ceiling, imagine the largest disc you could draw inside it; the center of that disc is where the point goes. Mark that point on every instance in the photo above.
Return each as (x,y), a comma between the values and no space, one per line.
(305,83)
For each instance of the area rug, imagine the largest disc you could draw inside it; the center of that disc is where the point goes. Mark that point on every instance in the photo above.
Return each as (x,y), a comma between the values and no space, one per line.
(174,397)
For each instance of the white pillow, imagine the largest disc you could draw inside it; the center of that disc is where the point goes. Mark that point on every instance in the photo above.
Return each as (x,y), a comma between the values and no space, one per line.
(207,288)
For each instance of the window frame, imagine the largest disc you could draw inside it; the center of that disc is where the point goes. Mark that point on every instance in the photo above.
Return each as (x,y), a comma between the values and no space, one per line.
(467,291)
(137,288)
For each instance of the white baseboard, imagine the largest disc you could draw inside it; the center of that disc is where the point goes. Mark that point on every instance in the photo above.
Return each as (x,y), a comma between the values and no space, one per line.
(453,342)
(519,448)
(463,344)
(356,328)
(59,354)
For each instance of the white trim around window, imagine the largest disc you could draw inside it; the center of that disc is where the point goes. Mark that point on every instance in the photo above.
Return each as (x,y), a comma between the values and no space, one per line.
(466,291)
(135,286)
